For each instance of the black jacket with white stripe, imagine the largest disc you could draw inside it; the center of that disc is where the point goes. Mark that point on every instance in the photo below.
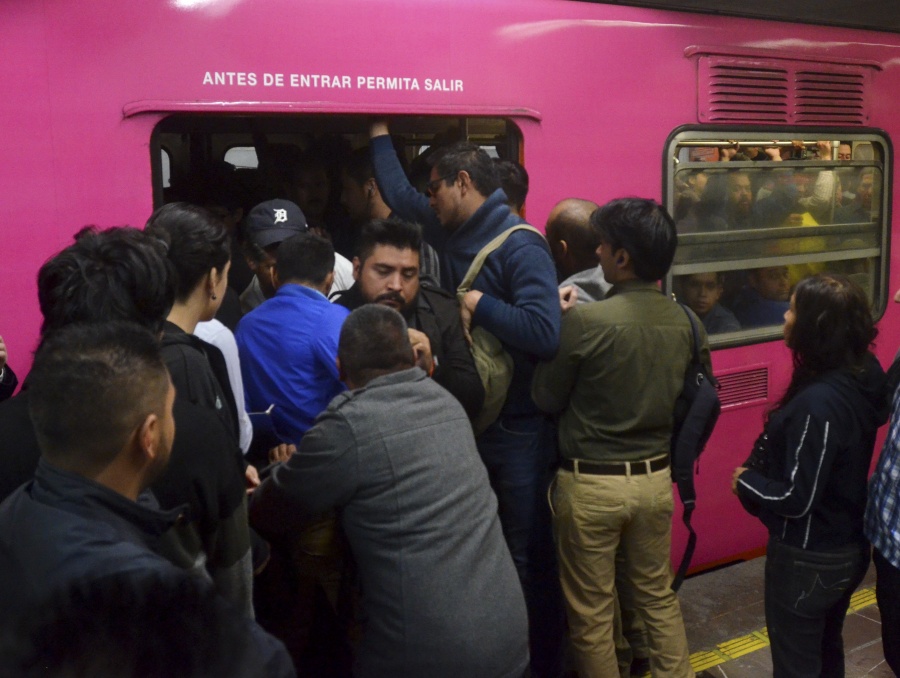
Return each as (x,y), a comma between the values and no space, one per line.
(813,494)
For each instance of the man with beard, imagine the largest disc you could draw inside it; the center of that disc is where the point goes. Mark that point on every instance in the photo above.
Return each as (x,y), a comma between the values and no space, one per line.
(860,210)
(386,271)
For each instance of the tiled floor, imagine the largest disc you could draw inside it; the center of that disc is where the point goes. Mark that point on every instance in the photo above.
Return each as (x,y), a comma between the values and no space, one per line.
(723,615)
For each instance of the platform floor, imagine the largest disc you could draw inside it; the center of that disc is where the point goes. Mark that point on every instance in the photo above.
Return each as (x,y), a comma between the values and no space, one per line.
(726,626)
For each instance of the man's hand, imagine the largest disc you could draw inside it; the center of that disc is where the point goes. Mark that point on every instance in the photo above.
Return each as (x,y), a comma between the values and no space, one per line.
(568,295)
(467,310)
(734,478)
(3,354)
(773,152)
(378,128)
(252,476)
(824,149)
(281,452)
(422,348)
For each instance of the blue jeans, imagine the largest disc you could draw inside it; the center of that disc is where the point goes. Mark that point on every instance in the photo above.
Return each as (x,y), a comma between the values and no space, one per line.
(520,456)
(806,599)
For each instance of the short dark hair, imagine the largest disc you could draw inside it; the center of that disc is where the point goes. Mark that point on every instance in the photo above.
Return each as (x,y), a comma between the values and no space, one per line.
(122,625)
(642,228)
(197,241)
(117,274)
(358,166)
(514,181)
(465,156)
(374,341)
(90,386)
(394,232)
(304,257)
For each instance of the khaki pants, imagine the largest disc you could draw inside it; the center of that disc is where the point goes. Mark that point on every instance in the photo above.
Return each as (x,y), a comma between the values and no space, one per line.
(593,515)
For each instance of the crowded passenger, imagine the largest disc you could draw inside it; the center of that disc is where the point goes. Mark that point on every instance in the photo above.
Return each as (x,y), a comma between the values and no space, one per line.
(197,247)
(396,454)
(515,299)
(573,243)
(859,210)
(806,478)
(8,379)
(289,343)
(123,274)
(363,202)
(882,525)
(386,270)
(701,293)
(289,362)
(267,226)
(514,182)
(614,382)
(764,298)
(101,403)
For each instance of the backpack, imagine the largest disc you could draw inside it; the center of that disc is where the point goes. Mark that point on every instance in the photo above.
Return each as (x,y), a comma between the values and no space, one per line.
(696,412)
(493,363)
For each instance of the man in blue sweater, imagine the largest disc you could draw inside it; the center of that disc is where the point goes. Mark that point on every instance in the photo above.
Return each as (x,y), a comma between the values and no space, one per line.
(514,298)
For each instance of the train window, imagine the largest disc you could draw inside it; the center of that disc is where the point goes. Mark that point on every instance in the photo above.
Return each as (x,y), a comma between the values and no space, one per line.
(757,212)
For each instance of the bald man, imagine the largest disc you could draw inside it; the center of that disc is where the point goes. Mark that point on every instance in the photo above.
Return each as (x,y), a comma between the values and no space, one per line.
(574,243)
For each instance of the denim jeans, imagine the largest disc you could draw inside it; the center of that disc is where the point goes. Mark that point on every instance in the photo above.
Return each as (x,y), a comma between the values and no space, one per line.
(807,594)
(887,591)
(520,456)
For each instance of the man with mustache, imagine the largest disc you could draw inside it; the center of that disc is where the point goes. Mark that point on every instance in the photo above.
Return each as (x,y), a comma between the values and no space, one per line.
(386,270)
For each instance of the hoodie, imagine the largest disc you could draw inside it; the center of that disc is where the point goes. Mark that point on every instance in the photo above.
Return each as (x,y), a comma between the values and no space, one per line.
(813,495)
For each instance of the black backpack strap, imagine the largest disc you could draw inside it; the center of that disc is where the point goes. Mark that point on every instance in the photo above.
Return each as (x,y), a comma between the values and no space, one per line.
(690,502)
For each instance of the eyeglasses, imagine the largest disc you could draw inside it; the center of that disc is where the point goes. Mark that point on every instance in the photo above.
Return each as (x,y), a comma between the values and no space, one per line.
(432,186)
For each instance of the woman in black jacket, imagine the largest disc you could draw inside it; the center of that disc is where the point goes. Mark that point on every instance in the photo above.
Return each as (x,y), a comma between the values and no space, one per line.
(199,252)
(806,479)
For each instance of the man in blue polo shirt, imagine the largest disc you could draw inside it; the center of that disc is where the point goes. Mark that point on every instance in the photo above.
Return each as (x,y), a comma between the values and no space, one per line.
(288,345)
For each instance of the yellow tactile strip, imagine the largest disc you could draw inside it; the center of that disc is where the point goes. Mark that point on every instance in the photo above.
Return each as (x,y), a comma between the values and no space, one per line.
(757,640)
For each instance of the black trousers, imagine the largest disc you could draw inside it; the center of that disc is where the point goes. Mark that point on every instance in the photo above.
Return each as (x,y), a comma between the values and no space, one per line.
(887,591)
(806,598)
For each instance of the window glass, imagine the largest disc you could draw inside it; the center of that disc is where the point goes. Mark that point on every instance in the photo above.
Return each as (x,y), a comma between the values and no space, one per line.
(166,168)
(755,215)
(242,156)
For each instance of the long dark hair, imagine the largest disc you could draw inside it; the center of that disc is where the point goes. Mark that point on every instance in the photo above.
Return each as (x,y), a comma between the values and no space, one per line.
(833,329)
(196,240)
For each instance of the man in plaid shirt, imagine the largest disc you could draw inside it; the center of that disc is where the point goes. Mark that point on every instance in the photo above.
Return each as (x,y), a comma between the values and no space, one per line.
(883,529)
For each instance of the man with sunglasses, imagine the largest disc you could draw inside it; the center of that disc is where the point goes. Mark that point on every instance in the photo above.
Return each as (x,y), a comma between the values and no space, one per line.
(515,299)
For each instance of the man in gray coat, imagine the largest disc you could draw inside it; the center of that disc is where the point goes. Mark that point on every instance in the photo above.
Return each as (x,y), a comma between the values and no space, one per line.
(440,594)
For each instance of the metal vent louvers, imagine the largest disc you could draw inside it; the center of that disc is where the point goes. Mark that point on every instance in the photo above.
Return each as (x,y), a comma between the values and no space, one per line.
(743,90)
(830,98)
(747,92)
(738,388)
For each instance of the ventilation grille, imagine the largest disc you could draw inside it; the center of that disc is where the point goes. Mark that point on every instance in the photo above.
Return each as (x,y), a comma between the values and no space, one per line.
(740,388)
(830,98)
(774,91)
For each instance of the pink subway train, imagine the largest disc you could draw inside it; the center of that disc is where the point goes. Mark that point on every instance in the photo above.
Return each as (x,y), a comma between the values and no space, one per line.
(106,104)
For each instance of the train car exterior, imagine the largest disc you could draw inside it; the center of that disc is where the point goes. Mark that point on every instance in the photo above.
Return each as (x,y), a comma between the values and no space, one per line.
(104,101)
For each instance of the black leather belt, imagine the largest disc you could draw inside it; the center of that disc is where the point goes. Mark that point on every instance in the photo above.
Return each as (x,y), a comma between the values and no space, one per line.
(617,468)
